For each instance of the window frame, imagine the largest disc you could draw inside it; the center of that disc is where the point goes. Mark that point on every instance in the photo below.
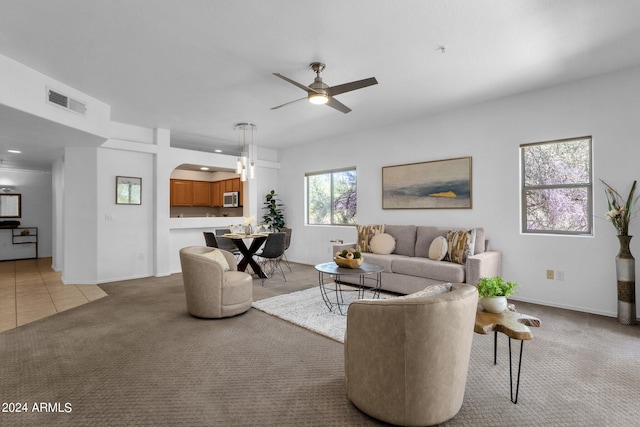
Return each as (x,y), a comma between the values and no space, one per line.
(587,185)
(307,198)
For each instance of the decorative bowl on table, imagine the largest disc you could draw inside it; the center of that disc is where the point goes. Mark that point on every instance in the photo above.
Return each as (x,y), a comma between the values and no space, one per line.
(348,263)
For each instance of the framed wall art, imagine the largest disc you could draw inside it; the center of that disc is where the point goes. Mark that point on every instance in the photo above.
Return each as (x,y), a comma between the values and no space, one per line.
(10,205)
(439,184)
(128,190)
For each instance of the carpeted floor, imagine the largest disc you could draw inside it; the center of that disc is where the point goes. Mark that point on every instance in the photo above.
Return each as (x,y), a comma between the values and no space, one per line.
(137,358)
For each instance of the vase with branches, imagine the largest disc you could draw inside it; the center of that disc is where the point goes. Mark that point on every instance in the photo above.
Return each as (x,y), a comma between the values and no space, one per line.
(620,214)
(620,209)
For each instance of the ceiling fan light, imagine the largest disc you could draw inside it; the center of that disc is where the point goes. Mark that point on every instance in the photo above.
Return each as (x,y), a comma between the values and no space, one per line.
(318,98)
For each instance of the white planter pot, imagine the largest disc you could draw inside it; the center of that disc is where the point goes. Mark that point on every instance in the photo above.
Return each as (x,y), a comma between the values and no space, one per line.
(494,304)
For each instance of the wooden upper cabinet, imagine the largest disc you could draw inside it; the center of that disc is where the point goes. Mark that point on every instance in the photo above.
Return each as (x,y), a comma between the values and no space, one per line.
(201,193)
(216,193)
(181,192)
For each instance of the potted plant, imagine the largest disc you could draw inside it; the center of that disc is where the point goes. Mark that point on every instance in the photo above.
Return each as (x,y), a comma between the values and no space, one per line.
(493,293)
(274,218)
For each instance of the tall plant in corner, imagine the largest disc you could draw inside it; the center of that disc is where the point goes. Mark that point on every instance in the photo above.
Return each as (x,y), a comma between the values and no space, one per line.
(274,217)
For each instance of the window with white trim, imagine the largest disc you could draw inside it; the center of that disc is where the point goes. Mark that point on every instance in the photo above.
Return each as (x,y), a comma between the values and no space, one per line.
(332,197)
(556,187)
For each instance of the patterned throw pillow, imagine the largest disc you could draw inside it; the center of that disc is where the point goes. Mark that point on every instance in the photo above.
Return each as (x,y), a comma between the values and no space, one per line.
(365,233)
(460,244)
(429,291)
(382,243)
(438,249)
(217,256)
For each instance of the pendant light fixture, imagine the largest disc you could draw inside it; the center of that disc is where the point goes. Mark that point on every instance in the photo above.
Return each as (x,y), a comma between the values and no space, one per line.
(245,165)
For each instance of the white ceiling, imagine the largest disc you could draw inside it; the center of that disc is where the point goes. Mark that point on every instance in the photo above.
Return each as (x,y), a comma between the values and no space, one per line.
(198,67)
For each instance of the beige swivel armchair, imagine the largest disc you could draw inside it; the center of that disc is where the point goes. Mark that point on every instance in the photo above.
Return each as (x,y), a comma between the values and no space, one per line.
(406,358)
(210,291)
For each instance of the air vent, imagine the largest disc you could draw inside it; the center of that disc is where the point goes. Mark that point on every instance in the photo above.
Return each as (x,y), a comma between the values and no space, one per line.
(65,102)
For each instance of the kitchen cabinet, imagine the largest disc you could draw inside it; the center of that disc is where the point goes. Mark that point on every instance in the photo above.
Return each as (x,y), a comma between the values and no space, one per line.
(216,194)
(181,192)
(201,193)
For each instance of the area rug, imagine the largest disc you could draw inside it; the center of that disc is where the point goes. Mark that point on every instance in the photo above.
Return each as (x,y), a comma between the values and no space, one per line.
(307,309)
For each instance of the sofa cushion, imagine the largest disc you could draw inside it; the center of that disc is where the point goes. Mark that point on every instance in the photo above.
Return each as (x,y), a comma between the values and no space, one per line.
(438,249)
(429,291)
(405,236)
(382,243)
(425,235)
(365,233)
(423,267)
(386,261)
(460,245)
(217,256)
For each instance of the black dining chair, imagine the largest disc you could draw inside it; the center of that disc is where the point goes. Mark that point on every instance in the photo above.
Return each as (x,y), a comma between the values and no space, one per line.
(287,242)
(210,239)
(225,243)
(271,254)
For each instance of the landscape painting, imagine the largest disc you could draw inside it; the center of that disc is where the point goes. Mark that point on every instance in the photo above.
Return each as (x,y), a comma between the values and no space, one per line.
(439,184)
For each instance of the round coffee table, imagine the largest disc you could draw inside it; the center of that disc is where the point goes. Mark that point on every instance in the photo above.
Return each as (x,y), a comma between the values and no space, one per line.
(329,273)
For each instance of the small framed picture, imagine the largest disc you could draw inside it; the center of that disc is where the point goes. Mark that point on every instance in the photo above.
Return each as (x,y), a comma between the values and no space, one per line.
(128,190)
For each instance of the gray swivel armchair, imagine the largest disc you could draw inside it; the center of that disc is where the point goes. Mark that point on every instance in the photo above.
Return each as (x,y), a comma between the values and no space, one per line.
(406,358)
(210,291)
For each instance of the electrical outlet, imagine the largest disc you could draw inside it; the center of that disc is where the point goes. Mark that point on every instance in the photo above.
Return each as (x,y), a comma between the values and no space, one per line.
(559,275)
(550,274)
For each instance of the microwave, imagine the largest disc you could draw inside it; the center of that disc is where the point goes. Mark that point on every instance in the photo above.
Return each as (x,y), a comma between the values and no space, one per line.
(230,199)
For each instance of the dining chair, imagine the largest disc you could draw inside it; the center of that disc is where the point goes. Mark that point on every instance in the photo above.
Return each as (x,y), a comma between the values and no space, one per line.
(271,254)
(287,242)
(210,239)
(225,243)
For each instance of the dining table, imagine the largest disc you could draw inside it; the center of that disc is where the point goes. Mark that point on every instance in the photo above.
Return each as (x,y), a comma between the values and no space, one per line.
(257,240)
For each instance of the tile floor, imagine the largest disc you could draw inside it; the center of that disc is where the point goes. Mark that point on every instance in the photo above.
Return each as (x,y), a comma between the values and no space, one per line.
(31,290)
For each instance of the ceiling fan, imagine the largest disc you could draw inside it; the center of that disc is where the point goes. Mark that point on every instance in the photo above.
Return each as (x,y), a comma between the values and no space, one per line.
(319,92)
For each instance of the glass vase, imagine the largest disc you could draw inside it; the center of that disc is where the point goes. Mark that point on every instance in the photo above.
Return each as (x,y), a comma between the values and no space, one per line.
(626,277)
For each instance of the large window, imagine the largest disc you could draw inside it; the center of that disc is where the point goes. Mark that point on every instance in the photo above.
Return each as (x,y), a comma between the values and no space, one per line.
(557,187)
(332,197)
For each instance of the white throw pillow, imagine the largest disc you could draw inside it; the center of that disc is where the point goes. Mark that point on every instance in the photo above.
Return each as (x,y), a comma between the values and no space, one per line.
(382,243)
(438,248)
(217,256)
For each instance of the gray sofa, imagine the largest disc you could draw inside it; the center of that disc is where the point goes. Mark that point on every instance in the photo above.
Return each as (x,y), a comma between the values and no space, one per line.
(408,268)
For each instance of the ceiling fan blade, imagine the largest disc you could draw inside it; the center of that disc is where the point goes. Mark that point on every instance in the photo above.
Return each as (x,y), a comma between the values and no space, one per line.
(347,87)
(287,103)
(334,103)
(295,83)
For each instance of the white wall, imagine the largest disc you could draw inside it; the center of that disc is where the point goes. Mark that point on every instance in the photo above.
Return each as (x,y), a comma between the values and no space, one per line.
(79,217)
(124,232)
(35,188)
(605,107)
(25,89)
